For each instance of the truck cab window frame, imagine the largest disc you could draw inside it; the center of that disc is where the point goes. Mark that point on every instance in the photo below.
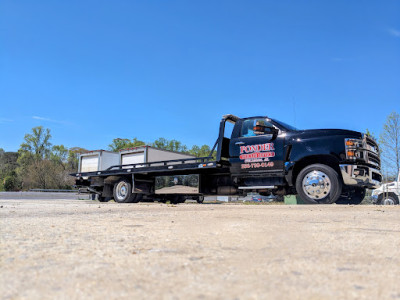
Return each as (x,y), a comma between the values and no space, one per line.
(255,127)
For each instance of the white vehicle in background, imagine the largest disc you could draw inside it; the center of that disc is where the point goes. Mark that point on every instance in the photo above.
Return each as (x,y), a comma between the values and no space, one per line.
(388,193)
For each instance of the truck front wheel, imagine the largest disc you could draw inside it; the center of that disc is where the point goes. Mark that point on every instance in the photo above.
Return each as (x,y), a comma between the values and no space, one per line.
(123,192)
(318,184)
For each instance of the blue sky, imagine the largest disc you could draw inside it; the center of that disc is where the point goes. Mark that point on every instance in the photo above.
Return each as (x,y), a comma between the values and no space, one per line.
(92,71)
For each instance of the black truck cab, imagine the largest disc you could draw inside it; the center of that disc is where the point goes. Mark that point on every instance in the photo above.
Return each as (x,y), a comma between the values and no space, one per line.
(322,166)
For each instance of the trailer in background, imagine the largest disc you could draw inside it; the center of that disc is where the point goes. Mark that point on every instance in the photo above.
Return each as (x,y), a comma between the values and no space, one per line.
(97,160)
(148,154)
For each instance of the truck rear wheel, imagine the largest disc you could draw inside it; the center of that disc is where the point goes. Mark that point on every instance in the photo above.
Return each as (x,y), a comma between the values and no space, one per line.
(318,184)
(123,192)
(176,199)
(200,199)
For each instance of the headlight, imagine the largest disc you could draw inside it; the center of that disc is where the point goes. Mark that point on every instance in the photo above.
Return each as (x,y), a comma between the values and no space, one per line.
(352,146)
(351,143)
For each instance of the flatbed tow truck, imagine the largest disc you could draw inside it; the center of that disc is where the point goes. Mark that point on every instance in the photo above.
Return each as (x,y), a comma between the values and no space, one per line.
(262,155)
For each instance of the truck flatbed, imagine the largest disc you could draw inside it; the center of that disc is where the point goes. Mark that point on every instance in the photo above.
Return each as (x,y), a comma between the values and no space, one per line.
(168,167)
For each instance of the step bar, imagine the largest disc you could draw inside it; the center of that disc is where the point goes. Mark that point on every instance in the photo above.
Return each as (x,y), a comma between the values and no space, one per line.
(257,187)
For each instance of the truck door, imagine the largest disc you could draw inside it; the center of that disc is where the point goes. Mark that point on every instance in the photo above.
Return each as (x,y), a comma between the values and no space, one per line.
(257,146)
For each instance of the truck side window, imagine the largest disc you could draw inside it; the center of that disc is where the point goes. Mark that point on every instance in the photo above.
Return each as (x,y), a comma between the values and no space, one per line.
(255,127)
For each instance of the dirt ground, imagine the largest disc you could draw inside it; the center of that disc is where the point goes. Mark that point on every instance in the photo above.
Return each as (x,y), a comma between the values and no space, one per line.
(71,249)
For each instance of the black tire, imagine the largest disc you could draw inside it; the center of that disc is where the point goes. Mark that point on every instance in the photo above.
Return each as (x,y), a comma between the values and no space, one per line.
(162,199)
(103,199)
(176,199)
(200,199)
(389,199)
(317,173)
(356,197)
(123,192)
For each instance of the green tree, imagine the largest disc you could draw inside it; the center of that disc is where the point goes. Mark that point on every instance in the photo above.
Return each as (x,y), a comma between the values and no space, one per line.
(203,151)
(370,134)
(8,163)
(119,144)
(10,183)
(42,166)
(41,174)
(390,144)
(59,155)
(36,147)
(8,166)
(171,145)
(1,155)
(73,157)
(37,143)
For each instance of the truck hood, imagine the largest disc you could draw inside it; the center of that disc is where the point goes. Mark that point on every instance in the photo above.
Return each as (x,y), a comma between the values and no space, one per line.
(328,132)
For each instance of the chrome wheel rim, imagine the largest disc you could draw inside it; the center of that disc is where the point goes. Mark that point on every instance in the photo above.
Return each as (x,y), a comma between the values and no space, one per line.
(388,201)
(122,190)
(316,185)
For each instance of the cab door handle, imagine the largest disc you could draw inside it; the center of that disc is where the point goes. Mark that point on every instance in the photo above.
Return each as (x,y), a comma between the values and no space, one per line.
(239,143)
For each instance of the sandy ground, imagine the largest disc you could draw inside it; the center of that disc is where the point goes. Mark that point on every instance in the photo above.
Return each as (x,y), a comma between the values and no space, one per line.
(71,249)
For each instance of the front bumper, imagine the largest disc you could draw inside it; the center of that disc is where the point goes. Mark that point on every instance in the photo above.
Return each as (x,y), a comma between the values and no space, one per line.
(362,176)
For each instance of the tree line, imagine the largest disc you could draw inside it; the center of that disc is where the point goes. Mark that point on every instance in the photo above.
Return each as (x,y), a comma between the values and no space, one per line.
(160,143)
(40,164)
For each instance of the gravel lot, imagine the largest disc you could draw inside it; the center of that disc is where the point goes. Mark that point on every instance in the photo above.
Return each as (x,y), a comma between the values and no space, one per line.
(75,249)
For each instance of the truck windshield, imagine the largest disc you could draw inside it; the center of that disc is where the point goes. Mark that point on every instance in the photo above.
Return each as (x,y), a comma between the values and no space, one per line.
(287,126)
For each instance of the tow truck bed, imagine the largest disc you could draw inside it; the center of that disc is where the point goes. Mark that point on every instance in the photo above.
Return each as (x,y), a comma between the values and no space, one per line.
(160,168)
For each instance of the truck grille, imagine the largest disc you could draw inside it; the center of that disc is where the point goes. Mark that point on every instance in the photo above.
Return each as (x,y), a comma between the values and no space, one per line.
(371,145)
(371,152)
(373,159)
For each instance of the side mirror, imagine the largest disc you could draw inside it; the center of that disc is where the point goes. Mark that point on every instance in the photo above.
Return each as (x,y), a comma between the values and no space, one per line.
(271,130)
